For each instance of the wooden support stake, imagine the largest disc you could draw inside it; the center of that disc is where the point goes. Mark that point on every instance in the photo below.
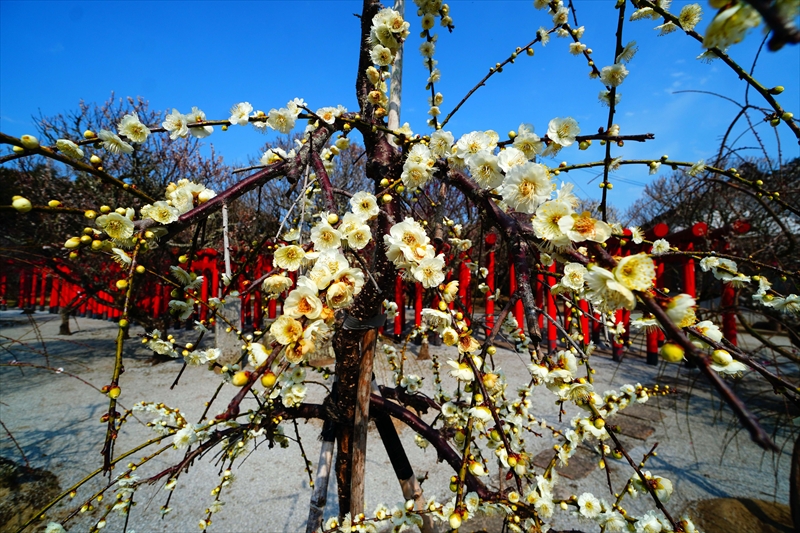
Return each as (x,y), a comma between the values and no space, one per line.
(361,423)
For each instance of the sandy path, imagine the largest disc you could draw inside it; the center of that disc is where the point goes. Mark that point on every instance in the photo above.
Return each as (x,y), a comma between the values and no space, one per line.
(55,418)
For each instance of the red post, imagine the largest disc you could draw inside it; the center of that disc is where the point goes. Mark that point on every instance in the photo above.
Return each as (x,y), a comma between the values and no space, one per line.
(654,333)
(490,282)
(35,275)
(552,309)
(400,300)
(729,313)
(23,288)
(583,305)
(689,284)
(464,278)
(418,305)
(54,293)
(519,312)
(43,286)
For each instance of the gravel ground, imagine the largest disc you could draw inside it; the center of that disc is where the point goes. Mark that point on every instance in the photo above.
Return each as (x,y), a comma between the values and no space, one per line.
(55,419)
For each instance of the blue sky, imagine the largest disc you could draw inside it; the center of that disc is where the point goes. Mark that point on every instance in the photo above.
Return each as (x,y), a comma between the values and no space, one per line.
(213,55)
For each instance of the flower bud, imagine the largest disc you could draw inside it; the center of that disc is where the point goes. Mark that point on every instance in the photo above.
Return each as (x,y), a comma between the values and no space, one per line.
(23,205)
(240,378)
(205,195)
(122,284)
(333,218)
(455,520)
(722,357)
(778,89)
(29,141)
(114,392)
(90,214)
(53,203)
(95,159)
(89,134)
(268,379)
(672,353)
(72,243)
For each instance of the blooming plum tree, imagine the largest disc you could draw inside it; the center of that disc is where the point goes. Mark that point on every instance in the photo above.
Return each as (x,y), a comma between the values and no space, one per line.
(337,254)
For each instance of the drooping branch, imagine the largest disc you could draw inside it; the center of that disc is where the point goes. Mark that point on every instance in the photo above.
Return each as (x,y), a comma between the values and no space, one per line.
(78,165)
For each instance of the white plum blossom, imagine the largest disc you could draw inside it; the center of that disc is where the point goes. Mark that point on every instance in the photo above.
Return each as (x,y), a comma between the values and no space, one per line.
(563,131)
(240,114)
(176,124)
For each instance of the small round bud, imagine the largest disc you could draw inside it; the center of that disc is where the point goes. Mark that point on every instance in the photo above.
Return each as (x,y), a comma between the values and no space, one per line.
(778,89)
(787,116)
(123,323)
(672,353)
(240,378)
(384,182)
(95,159)
(491,350)
(72,243)
(85,239)
(386,198)
(122,284)
(775,122)
(53,203)
(224,127)
(97,245)
(400,188)
(17,149)
(205,195)
(114,392)
(183,259)
(268,379)
(105,209)
(89,134)
(140,269)
(29,141)
(333,218)
(23,205)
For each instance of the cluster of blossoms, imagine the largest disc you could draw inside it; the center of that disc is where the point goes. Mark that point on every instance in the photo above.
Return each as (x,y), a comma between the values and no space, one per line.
(170,421)
(409,248)
(119,224)
(177,124)
(386,35)
(282,120)
(166,347)
(329,285)
(428,10)
(181,198)
(609,290)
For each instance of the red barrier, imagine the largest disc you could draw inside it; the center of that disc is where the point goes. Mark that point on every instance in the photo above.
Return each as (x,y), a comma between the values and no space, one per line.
(491,239)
